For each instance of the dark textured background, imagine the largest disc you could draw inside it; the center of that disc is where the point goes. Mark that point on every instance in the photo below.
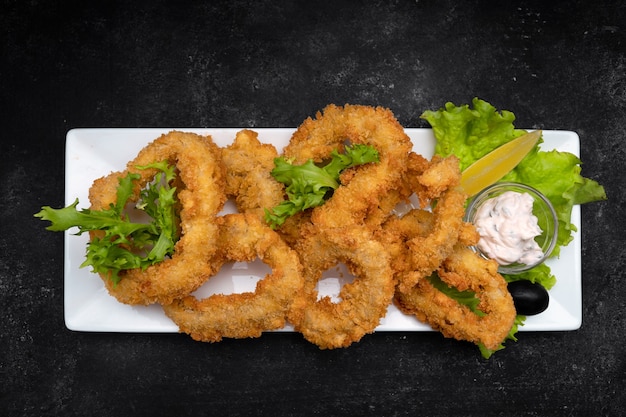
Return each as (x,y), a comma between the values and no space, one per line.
(68,64)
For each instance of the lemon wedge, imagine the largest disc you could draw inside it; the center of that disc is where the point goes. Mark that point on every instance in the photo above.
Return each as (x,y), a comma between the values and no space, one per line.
(497,163)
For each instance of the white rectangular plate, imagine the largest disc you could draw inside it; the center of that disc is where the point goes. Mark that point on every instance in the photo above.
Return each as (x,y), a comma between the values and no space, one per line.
(93,153)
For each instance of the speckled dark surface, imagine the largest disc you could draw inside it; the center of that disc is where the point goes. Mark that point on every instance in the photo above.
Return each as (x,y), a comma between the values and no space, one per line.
(557,65)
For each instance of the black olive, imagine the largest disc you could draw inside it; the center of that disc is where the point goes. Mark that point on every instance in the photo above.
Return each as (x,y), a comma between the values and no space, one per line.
(529,298)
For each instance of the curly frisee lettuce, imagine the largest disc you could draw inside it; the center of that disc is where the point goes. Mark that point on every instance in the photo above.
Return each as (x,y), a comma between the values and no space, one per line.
(124,243)
(309,185)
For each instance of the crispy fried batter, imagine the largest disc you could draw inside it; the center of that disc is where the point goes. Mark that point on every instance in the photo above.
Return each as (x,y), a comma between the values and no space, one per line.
(424,236)
(202,197)
(364,301)
(243,237)
(465,270)
(248,164)
(331,129)
(424,241)
(428,251)
(343,228)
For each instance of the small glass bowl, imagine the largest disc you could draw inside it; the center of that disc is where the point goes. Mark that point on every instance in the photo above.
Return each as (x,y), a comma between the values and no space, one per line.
(542,208)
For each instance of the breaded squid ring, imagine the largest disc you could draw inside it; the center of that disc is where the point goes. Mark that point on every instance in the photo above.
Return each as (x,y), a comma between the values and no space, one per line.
(423,237)
(426,252)
(243,237)
(364,301)
(332,129)
(464,270)
(201,197)
(248,164)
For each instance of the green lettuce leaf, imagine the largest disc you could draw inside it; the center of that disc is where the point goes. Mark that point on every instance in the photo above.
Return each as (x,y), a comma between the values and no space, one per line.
(309,185)
(125,244)
(557,175)
(467,297)
(471,132)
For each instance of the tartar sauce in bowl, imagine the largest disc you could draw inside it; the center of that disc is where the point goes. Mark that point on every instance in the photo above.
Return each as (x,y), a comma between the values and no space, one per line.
(517,226)
(507,228)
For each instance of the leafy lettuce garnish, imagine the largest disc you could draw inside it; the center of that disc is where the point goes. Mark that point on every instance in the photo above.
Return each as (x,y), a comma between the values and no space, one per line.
(309,185)
(125,243)
(471,132)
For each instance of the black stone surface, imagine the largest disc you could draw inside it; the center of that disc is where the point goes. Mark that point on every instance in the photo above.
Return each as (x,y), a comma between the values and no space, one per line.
(69,64)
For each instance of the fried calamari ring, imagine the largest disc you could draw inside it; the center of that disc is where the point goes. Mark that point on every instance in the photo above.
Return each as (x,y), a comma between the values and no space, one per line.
(341,230)
(422,238)
(434,238)
(243,237)
(439,184)
(427,252)
(431,181)
(364,301)
(201,197)
(464,270)
(248,164)
(396,234)
(361,193)
(249,181)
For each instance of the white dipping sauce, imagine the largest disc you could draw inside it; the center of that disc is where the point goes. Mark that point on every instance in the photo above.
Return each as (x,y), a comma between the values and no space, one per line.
(507,229)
